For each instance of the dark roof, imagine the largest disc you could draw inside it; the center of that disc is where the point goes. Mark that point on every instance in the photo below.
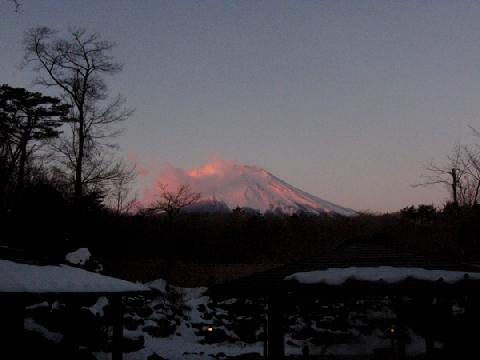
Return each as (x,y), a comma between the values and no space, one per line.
(359,254)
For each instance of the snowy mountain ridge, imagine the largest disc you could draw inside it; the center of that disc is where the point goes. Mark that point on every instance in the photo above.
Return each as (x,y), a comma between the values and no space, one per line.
(237,185)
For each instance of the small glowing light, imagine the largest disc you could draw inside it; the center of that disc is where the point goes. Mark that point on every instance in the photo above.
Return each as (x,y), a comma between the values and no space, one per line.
(392,329)
(210,329)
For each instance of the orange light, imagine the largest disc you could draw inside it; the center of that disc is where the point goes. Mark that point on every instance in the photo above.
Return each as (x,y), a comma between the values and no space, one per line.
(210,329)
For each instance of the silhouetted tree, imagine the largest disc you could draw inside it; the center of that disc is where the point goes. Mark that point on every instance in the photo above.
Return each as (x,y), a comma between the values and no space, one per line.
(16,4)
(422,213)
(121,199)
(460,174)
(172,202)
(27,121)
(76,65)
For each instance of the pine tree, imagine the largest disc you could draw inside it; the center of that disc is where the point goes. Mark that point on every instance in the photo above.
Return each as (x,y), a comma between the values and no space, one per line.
(27,121)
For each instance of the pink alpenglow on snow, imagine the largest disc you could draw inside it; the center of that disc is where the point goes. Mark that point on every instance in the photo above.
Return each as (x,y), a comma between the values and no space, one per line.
(388,274)
(245,186)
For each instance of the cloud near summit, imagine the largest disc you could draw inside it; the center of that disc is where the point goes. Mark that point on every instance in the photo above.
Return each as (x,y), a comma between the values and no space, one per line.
(205,179)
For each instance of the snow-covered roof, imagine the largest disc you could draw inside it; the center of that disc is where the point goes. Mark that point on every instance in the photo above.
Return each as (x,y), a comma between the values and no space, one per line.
(377,264)
(42,279)
(388,274)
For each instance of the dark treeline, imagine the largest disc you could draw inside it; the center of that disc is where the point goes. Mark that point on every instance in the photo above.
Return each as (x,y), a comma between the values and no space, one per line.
(47,223)
(246,237)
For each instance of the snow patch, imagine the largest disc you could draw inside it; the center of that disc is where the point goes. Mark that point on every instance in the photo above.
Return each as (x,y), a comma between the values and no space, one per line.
(32,325)
(78,257)
(389,274)
(159,285)
(43,304)
(97,308)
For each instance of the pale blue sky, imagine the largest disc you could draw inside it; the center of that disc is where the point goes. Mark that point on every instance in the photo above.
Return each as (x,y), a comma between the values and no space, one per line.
(343,99)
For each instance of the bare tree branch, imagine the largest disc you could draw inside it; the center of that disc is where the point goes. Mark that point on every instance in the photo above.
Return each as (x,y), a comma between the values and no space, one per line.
(460,174)
(172,202)
(17,4)
(76,65)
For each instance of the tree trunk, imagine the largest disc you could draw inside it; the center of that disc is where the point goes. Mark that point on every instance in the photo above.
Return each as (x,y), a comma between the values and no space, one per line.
(454,186)
(22,161)
(477,189)
(79,164)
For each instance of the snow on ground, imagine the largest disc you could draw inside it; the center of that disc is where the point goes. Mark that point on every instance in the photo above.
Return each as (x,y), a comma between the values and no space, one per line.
(78,257)
(43,304)
(17,277)
(174,323)
(389,274)
(97,308)
(186,346)
(31,325)
(185,343)
(159,285)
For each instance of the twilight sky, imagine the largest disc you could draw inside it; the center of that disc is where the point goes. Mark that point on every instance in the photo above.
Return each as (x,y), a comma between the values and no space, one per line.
(346,100)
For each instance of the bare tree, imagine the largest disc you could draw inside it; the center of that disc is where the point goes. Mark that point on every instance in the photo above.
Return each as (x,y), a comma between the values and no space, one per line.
(460,174)
(76,65)
(472,171)
(16,4)
(121,198)
(172,202)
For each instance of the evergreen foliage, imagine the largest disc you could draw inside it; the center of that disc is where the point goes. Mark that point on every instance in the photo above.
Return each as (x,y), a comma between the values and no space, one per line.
(27,121)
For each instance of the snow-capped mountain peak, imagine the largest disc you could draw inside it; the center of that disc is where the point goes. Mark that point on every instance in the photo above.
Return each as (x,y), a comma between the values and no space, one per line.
(246,186)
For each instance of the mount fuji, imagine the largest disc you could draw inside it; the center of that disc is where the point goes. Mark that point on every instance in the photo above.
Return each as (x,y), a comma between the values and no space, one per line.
(226,185)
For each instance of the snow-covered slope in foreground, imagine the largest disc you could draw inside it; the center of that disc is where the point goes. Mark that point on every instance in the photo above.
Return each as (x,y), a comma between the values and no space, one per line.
(246,186)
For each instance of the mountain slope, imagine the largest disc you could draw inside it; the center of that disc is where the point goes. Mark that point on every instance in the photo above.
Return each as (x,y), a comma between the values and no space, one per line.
(246,186)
